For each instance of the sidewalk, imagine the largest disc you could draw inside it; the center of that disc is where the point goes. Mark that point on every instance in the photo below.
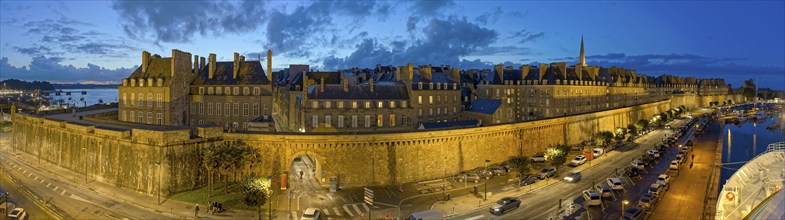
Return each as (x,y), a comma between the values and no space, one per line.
(688,190)
(172,208)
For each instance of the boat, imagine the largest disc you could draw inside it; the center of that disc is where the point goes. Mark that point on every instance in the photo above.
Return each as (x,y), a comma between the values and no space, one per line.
(758,115)
(755,191)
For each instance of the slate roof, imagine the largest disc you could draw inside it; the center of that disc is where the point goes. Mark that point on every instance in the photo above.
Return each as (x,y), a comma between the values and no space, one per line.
(485,106)
(436,77)
(381,91)
(156,68)
(450,124)
(250,73)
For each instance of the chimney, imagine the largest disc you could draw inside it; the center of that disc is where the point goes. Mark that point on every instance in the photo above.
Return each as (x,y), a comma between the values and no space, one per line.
(499,72)
(543,69)
(211,71)
(370,82)
(456,75)
(269,65)
(345,84)
(145,60)
(196,64)
(398,73)
(425,71)
(201,63)
(579,71)
(321,84)
(410,71)
(524,72)
(236,65)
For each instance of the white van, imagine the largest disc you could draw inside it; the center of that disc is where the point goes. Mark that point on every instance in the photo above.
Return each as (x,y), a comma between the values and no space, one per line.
(427,215)
(597,152)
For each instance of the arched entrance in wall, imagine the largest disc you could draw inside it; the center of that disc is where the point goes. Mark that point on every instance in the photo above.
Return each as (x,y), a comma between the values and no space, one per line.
(305,172)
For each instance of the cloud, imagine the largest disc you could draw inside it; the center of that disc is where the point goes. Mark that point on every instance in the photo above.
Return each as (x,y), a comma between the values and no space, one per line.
(179,21)
(430,6)
(50,69)
(58,36)
(689,65)
(445,42)
(490,17)
(527,36)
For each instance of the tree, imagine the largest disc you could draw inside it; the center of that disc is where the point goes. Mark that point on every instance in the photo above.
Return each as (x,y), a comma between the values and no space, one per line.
(619,134)
(520,164)
(632,129)
(641,125)
(603,138)
(210,162)
(254,193)
(557,155)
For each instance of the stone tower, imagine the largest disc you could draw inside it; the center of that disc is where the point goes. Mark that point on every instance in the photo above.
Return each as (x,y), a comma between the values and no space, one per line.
(583,56)
(270,65)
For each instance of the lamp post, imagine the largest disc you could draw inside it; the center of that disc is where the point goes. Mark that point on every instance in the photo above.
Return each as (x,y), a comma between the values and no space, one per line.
(158,168)
(269,198)
(85,164)
(485,193)
(623,203)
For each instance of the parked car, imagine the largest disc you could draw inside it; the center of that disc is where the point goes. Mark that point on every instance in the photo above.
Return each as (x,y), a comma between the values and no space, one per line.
(580,159)
(311,214)
(597,152)
(10,206)
(684,150)
(505,204)
(680,158)
(426,215)
(547,172)
(667,127)
(604,190)
(674,164)
(528,180)
(633,213)
(632,171)
(497,170)
(648,201)
(591,198)
(663,179)
(573,177)
(656,189)
(638,163)
(615,184)
(538,158)
(654,153)
(689,143)
(469,177)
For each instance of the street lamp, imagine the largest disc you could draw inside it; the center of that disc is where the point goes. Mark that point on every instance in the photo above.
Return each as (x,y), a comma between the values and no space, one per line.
(623,203)
(269,198)
(85,164)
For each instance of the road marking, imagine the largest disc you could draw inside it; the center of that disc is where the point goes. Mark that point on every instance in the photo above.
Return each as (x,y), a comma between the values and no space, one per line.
(48,184)
(475,217)
(55,188)
(357,208)
(42,180)
(29,174)
(336,211)
(62,193)
(366,207)
(294,214)
(326,211)
(347,211)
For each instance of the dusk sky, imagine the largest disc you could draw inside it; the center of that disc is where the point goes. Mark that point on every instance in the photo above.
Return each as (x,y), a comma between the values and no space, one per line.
(102,41)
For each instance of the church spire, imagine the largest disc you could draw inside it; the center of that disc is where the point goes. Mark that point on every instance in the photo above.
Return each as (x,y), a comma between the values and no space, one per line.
(583,56)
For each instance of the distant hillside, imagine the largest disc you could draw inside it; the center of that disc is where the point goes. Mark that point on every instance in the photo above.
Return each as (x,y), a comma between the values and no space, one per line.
(24,85)
(85,86)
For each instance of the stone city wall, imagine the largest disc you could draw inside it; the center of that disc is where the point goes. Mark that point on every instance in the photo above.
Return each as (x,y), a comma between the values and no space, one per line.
(128,158)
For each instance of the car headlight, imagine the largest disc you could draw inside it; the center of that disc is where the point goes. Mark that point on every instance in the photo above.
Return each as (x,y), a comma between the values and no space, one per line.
(569,178)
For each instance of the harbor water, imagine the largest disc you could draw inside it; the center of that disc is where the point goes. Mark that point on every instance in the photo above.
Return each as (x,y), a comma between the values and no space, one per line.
(90,96)
(741,143)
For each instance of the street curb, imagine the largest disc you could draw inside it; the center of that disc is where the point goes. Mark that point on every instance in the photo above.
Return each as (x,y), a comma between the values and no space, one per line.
(34,197)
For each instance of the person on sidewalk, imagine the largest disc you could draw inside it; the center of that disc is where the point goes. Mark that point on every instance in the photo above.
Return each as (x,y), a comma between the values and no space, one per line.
(196,210)
(691,165)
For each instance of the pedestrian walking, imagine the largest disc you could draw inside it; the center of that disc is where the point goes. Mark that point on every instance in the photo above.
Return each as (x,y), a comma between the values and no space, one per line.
(690,165)
(693,156)
(196,210)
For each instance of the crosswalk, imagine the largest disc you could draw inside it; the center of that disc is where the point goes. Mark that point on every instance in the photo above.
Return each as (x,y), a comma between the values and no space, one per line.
(346,211)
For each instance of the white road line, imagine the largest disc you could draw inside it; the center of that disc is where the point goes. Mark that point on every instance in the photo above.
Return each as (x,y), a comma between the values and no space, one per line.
(29,174)
(55,188)
(366,207)
(356,208)
(336,211)
(42,180)
(475,217)
(326,212)
(62,193)
(347,211)
(48,184)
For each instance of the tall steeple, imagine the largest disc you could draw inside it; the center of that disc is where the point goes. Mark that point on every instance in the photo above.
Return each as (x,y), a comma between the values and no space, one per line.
(583,56)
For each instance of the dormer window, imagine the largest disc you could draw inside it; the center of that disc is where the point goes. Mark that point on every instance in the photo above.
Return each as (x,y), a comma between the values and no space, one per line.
(125,82)
(209,90)
(256,91)
(227,91)
(246,91)
(236,91)
(201,90)
(150,82)
(218,91)
(160,82)
(141,82)
(315,104)
(133,82)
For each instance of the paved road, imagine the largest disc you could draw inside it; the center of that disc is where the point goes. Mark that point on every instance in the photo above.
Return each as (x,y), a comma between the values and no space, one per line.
(73,201)
(21,200)
(543,203)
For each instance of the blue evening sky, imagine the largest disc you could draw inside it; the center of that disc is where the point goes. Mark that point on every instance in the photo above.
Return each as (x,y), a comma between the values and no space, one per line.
(101,41)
